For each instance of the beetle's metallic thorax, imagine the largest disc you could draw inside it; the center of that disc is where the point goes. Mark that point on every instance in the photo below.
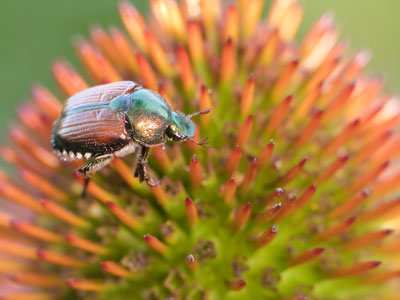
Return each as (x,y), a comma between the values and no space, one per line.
(149,116)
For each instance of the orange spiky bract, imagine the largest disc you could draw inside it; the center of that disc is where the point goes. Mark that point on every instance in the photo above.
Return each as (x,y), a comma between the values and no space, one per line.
(300,136)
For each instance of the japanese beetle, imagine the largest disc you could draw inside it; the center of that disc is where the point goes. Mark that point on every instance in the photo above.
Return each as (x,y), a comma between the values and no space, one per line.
(112,120)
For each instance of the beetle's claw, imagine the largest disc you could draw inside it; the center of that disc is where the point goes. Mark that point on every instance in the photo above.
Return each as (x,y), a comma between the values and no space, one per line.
(85,186)
(139,172)
(142,174)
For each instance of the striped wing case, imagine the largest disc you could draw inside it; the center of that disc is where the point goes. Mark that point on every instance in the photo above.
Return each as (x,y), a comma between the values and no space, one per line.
(89,125)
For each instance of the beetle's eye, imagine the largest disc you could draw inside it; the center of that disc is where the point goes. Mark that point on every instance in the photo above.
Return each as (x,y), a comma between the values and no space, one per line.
(173,133)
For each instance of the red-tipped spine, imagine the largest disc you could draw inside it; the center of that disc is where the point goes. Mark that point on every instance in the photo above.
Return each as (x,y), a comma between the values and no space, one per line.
(373,146)
(356,65)
(338,103)
(27,143)
(115,269)
(123,215)
(125,172)
(134,23)
(159,194)
(228,62)
(186,72)
(382,277)
(305,197)
(278,114)
(158,55)
(9,191)
(35,231)
(59,259)
(278,192)
(43,185)
(307,103)
(195,41)
(293,172)
(99,67)
(237,285)
(389,151)
(367,239)
(33,279)
(205,103)
(386,185)
(196,171)
(307,256)
(231,26)
(250,13)
(267,237)
(67,78)
(270,213)
(85,244)
(323,72)
(335,230)
(17,249)
(245,131)
(269,50)
(265,154)
(241,216)
(126,51)
(380,211)
(332,169)
(391,247)
(356,269)
(229,191)
(350,205)
(155,243)
(47,101)
(63,214)
(284,80)
(103,40)
(249,176)
(233,160)
(247,99)
(191,211)
(146,72)
(162,158)
(98,192)
(310,129)
(86,285)
(286,209)
(341,138)
(367,178)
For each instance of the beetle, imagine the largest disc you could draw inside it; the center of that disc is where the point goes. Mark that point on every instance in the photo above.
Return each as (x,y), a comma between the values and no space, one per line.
(113,120)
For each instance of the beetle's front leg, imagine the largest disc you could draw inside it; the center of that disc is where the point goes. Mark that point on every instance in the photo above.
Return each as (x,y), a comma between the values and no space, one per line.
(141,171)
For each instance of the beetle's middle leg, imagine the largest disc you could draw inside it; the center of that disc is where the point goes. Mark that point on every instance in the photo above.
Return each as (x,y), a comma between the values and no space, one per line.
(92,167)
(141,171)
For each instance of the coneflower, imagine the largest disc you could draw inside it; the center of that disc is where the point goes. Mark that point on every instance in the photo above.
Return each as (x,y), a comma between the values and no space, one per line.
(295,198)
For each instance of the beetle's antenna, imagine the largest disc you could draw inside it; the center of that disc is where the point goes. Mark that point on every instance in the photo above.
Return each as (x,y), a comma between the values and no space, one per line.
(203,143)
(201,112)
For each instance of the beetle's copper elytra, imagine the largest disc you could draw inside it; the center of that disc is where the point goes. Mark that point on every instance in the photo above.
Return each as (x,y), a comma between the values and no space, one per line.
(112,120)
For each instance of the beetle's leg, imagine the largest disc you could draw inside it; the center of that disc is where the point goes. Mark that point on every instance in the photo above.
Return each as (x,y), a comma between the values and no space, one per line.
(85,185)
(141,171)
(92,167)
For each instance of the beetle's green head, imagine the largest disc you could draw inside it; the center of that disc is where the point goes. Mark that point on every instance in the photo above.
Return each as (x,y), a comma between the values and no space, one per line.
(181,127)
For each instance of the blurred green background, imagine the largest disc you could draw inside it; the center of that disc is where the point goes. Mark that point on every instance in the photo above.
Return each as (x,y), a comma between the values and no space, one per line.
(34,33)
